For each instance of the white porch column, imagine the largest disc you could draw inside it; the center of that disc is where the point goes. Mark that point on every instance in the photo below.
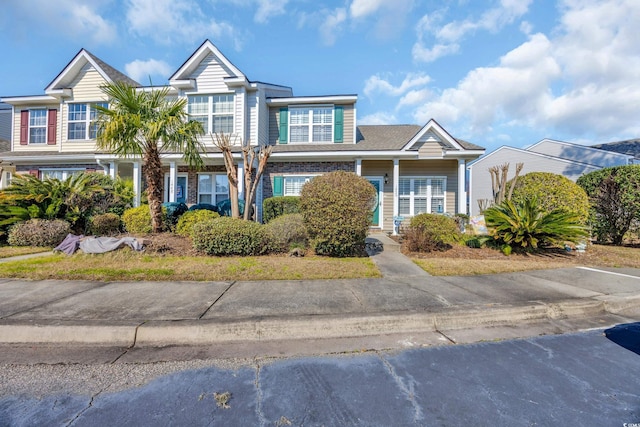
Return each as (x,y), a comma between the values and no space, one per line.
(462,179)
(396,193)
(137,181)
(241,180)
(173,171)
(113,170)
(359,167)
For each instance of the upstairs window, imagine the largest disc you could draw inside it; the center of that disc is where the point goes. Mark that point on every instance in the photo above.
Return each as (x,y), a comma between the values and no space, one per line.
(311,124)
(37,126)
(82,125)
(215,112)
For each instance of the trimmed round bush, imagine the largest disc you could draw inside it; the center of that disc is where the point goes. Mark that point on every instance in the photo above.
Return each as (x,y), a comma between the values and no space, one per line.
(552,192)
(105,224)
(441,229)
(38,232)
(280,205)
(337,210)
(230,236)
(287,232)
(137,220)
(189,219)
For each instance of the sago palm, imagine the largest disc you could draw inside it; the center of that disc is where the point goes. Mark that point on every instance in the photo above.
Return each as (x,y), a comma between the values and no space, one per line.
(524,224)
(147,124)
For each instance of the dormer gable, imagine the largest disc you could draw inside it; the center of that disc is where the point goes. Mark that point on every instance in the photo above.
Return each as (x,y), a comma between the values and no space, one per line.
(60,86)
(207,55)
(432,141)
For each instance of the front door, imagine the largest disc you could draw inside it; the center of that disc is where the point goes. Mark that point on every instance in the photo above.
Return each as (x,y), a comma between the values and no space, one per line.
(375,219)
(181,188)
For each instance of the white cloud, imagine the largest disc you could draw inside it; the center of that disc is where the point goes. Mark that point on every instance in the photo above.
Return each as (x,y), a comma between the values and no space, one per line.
(582,79)
(69,18)
(268,9)
(379,118)
(170,21)
(377,84)
(332,25)
(414,97)
(361,8)
(142,71)
(448,36)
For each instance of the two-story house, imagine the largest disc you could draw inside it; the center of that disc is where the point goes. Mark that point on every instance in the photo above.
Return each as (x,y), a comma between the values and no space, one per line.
(415,168)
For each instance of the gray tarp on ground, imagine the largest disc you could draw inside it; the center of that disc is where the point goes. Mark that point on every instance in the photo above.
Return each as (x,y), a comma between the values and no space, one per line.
(99,245)
(96,245)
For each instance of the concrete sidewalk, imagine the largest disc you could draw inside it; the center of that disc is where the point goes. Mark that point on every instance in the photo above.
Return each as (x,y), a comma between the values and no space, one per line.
(405,302)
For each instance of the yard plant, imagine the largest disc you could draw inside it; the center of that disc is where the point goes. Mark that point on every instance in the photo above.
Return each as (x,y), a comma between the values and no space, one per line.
(336,208)
(431,232)
(189,219)
(526,225)
(230,236)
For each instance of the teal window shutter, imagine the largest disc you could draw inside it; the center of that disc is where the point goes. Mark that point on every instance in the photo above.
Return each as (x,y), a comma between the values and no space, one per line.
(338,125)
(284,125)
(278,186)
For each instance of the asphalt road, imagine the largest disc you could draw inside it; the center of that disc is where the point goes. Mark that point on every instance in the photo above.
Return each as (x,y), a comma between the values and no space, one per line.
(584,379)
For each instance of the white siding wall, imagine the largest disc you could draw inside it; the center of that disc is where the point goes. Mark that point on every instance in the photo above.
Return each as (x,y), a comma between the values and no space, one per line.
(210,75)
(480,179)
(579,153)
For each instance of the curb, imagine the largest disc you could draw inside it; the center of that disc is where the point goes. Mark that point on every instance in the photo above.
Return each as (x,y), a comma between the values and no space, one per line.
(159,333)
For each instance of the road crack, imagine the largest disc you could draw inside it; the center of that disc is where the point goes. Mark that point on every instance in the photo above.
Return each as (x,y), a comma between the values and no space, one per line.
(407,389)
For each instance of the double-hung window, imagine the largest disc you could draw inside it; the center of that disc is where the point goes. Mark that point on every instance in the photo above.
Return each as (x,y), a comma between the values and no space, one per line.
(293,184)
(81,121)
(215,112)
(60,174)
(212,188)
(37,126)
(421,195)
(311,124)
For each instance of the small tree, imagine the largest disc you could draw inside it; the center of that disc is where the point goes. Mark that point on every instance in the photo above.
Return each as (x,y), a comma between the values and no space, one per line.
(250,155)
(499,181)
(615,201)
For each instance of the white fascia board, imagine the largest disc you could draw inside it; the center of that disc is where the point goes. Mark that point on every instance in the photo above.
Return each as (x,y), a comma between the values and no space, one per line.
(237,82)
(462,154)
(35,99)
(337,99)
(184,84)
(435,126)
(197,57)
(48,159)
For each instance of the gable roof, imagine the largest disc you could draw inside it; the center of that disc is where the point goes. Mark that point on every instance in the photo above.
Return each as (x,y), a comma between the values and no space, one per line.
(196,58)
(586,148)
(630,147)
(432,126)
(83,57)
(402,137)
(528,153)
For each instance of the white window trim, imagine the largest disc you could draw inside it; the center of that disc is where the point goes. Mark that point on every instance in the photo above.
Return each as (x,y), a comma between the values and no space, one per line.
(210,114)
(87,120)
(66,172)
(213,193)
(45,126)
(429,197)
(308,177)
(309,109)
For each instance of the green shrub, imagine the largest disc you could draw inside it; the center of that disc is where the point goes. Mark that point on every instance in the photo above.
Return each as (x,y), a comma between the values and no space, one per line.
(287,232)
(527,226)
(230,236)
(105,224)
(615,201)
(552,191)
(280,205)
(172,211)
(336,208)
(207,206)
(38,232)
(431,232)
(191,218)
(137,220)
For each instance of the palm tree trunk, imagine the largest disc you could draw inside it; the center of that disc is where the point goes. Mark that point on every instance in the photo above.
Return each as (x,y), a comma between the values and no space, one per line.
(154,175)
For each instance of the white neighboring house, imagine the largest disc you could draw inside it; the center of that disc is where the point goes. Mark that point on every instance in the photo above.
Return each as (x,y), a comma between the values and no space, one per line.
(567,159)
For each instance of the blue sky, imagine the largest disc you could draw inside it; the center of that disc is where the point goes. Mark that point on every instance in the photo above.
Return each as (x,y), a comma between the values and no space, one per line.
(493,72)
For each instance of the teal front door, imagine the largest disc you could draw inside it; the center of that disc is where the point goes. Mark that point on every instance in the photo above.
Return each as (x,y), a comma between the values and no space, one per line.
(375,217)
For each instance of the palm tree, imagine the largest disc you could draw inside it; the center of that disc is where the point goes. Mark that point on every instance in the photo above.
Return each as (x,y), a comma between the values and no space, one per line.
(147,124)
